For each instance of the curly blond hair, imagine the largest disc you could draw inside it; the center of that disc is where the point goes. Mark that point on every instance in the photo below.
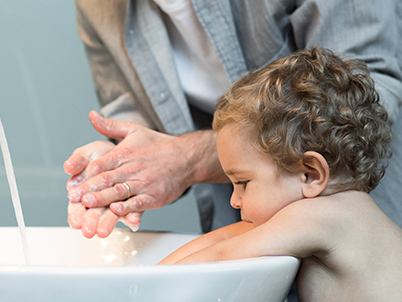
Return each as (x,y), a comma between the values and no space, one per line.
(313,100)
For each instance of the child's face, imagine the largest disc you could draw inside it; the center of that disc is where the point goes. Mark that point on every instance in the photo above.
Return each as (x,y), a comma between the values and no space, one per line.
(261,188)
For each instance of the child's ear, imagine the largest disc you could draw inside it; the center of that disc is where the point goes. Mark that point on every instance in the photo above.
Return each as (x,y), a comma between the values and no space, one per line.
(316,174)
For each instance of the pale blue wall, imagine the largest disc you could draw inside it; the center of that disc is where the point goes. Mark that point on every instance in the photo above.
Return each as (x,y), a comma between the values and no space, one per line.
(46,94)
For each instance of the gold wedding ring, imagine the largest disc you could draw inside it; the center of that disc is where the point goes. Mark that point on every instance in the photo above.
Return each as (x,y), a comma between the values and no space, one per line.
(128,190)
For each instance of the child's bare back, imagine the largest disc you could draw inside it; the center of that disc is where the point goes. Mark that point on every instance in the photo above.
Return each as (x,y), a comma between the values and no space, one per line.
(361,251)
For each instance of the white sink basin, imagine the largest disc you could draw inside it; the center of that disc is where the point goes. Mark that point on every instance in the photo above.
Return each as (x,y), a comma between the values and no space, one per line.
(68,267)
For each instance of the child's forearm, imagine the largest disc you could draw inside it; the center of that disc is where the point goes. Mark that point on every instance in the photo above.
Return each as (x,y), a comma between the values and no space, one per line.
(296,230)
(206,241)
(236,247)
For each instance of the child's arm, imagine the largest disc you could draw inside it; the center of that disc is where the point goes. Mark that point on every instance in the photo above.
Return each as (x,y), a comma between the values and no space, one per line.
(301,230)
(207,240)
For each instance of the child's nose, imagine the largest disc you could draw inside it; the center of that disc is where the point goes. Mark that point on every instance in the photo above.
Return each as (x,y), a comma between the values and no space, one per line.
(235,201)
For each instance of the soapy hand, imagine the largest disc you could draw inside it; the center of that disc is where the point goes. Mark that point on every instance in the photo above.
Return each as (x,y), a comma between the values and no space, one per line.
(99,221)
(152,164)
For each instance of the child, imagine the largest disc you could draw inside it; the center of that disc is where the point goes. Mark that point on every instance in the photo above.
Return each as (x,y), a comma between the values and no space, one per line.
(303,141)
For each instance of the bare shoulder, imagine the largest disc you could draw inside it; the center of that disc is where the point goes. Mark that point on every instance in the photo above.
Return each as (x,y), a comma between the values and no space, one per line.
(361,249)
(314,226)
(354,211)
(334,210)
(339,209)
(339,220)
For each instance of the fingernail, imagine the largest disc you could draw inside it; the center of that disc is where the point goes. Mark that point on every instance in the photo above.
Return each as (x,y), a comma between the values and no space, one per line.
(77,180)
(118,208)
(71,184)
(88,200)
(74,195)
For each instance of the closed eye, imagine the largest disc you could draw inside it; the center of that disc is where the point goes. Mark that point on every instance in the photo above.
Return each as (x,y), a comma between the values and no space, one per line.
(242,183)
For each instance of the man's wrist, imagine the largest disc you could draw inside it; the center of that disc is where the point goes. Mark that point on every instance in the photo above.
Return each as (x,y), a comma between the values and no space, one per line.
(201,158)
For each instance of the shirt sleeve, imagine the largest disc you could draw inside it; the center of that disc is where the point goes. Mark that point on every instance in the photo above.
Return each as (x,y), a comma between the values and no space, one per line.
(114,94)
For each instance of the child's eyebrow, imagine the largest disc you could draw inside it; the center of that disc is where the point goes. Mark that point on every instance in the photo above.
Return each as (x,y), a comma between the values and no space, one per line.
(233,172)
